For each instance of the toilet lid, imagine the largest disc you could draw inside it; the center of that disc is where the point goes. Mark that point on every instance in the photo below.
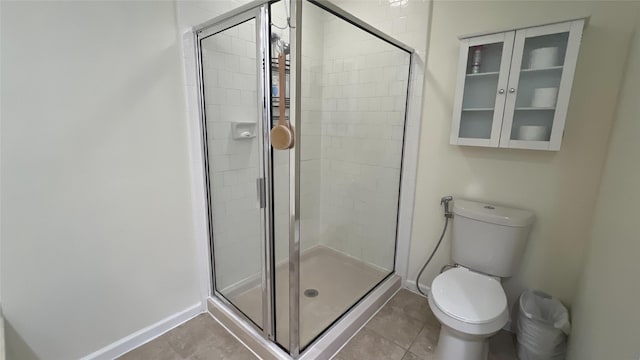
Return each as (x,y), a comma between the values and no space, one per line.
(468,296)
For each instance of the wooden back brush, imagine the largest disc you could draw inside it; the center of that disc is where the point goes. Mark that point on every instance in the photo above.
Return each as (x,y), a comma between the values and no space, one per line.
(282,133)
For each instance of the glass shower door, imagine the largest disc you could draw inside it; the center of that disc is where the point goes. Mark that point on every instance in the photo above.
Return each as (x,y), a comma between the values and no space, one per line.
(352,99)
(232,132)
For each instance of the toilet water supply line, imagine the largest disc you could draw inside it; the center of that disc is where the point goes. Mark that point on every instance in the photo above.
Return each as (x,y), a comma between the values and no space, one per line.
(447,215)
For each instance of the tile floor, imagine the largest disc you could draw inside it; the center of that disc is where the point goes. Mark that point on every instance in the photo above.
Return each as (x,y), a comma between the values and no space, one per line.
(201,338)
(404,329)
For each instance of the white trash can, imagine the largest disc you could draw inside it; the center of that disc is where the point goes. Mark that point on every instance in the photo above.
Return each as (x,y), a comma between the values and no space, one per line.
(543,327)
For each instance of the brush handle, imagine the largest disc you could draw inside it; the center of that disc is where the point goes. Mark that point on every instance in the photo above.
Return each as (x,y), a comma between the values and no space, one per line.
(282,78)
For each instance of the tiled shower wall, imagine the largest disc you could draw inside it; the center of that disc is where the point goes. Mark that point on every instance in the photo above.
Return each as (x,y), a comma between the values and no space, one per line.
(310,148)
(364,88)
(310,153)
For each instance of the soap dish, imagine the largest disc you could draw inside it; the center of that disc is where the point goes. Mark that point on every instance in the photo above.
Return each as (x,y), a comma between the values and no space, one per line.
(241,130)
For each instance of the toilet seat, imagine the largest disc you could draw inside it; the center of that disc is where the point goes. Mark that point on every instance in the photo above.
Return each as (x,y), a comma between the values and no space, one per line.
(470,299)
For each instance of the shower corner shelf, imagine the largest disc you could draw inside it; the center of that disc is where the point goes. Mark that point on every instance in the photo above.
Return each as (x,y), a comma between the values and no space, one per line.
(275,101)
(274,65)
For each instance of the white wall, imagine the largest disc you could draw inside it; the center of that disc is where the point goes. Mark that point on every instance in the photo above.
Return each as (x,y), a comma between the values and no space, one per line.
(311,182)
(97,227)
(606,316)
(559,187)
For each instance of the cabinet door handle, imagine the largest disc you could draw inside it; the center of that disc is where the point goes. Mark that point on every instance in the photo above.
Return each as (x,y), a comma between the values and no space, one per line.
(501,91)
(512,90)
(262,200)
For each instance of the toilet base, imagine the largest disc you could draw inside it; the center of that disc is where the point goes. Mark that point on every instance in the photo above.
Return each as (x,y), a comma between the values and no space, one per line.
(454,345)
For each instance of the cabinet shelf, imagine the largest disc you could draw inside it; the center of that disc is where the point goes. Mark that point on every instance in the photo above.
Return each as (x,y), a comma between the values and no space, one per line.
(478,109)
(552,68)
(492,73)
(535,108)
(275,102)
(275,67)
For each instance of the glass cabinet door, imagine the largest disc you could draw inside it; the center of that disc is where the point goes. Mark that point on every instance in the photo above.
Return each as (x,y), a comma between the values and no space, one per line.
(483,76)
(542,70)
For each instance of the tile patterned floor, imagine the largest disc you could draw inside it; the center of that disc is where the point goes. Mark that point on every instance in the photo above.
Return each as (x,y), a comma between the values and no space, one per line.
(201,338)
(404,329)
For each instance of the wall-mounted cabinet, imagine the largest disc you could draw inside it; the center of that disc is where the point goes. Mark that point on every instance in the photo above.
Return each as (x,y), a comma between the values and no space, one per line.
(514,87)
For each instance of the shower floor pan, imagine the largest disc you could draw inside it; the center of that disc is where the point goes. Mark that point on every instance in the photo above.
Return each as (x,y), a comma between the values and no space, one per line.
(340,281)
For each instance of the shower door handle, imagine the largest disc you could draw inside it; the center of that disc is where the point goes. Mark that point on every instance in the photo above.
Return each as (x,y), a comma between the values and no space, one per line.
(261,195)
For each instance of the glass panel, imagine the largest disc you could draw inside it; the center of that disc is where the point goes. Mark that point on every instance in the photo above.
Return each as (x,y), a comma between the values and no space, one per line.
(230,81)
(480,89)
(354,88)
(540,74)
(280,163)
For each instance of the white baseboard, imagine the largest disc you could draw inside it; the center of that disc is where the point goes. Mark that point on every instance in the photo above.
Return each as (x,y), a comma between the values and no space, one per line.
(411,285)
(145,335)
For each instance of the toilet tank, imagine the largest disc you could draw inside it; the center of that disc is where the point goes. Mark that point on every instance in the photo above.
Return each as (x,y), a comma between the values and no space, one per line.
(489,238)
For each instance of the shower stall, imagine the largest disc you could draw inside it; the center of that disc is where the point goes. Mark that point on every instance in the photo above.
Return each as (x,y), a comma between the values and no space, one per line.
(300,238)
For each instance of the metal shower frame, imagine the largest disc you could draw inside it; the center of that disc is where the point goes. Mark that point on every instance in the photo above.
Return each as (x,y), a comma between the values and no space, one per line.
(259,11)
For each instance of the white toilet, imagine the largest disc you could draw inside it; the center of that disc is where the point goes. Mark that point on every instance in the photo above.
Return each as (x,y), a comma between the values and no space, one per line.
(488,241)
